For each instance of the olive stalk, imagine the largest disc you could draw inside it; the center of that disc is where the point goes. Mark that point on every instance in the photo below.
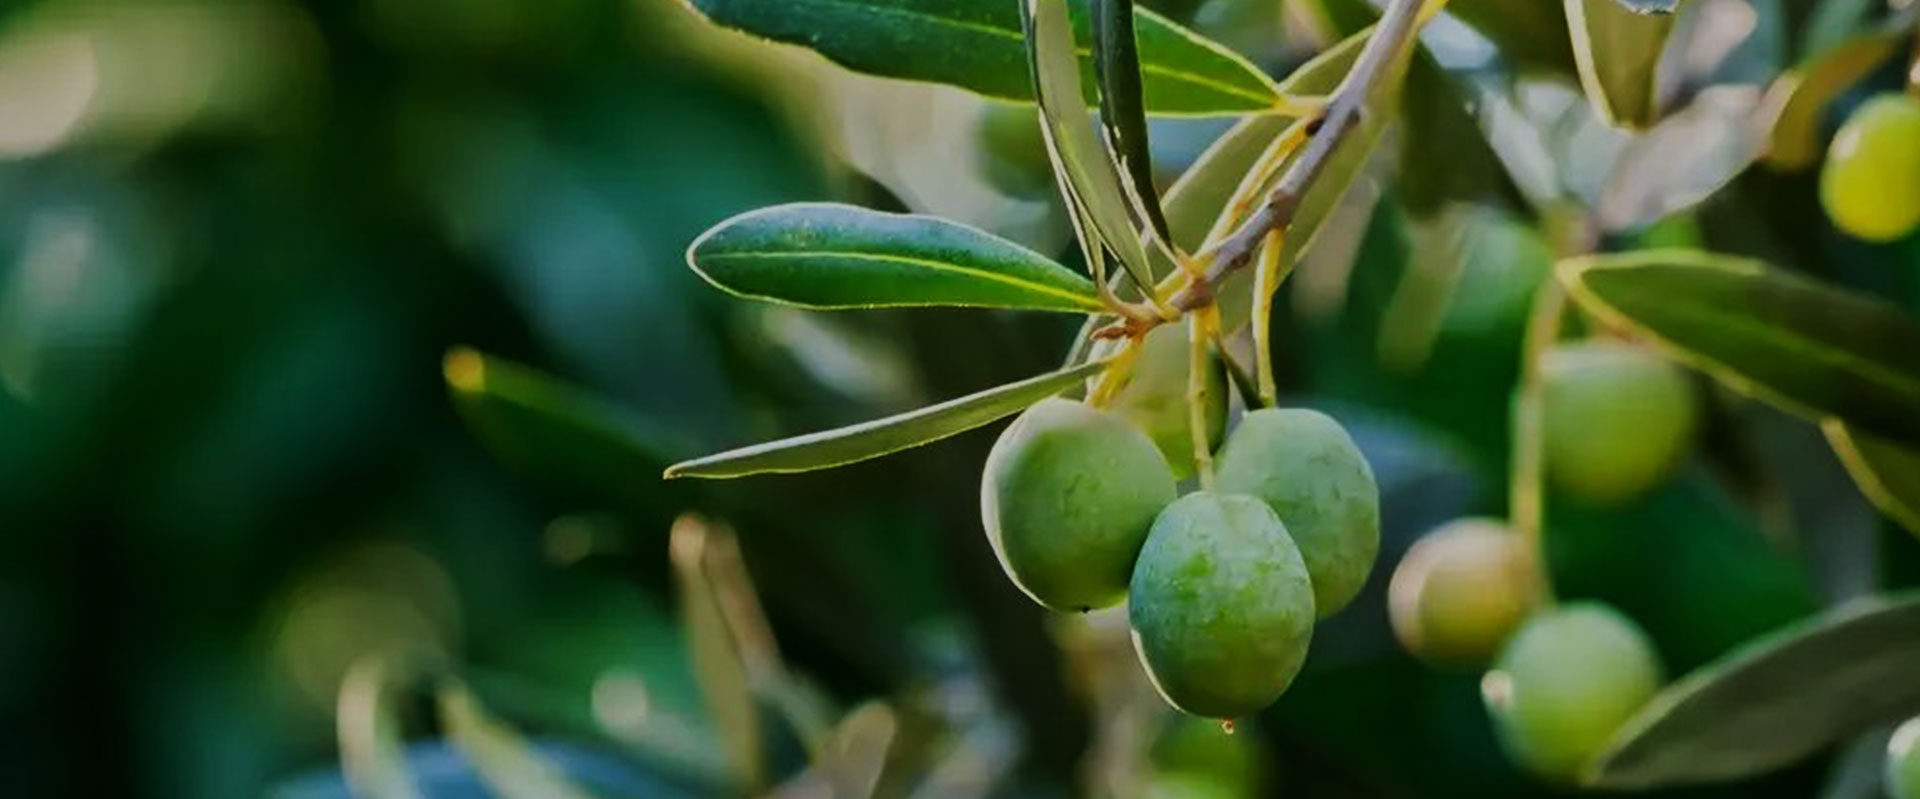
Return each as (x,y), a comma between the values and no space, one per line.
(1266,282)
(1199,332)
(1527,484)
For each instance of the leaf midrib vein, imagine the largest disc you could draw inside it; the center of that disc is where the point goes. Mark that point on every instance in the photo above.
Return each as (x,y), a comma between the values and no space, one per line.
(1081,300)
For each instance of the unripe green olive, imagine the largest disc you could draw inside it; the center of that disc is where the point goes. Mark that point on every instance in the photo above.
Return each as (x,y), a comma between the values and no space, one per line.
(1566,683)
(1303,464)
(1067,496)
(1871,182)
(1154,396)
(1461,591)
(1903,761)
(1618,419)
(1221,605)
(1013,150)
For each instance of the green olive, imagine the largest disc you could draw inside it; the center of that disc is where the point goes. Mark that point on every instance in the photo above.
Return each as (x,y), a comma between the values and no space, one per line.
(1221,605)
(1067,496)
(1566,683)
(1618,419)
(1903,761)
(1460,592)
(1154,397)
(1303,464)
(1871,182)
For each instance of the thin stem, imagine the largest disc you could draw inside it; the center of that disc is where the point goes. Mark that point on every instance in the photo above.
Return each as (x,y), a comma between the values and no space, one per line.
(1527,484)
(1266,282)
(1199,391)
(1116,374)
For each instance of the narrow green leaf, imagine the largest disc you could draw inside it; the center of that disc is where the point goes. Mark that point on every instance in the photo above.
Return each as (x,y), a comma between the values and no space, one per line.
(372,756)
(1090,181)
(1200,195)
(1808,347)
(884,436)
(1122,109)
(1774,701)
(506,763)
(977,45)
(1617,45)
(823,255)
(1797,138)
(556,431)
(1888,474)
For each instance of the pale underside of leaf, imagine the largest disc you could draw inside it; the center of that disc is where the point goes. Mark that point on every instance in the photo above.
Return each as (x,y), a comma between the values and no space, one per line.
(1773,701)
(879,437)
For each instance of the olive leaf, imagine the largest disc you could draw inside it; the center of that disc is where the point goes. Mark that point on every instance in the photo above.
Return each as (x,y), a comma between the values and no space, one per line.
(1810,348)
(1123,112)
(1796,139)
(879,437)
(1773,701)
(1088,178)
(825,255)
(1888,474)
(977,46)
(1617,45)
(505,761)
(554,430)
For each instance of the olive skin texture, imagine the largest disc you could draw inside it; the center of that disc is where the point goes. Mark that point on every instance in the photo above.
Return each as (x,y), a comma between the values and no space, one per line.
(1870,184)
(1303,464)
(1903,761)
(1461,590)
(1617,419)
(1154,397)
(1221,605)
(1566,683)
(1067,497)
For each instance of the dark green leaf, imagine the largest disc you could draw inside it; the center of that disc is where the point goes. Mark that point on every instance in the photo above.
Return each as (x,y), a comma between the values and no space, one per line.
(1089,180)
(1811,348)
(1122,109)
(1617,47)
(884,436)
(823,255)
(556,431)
(977,45)
(1774,701)
(1888,474)
(1530,34)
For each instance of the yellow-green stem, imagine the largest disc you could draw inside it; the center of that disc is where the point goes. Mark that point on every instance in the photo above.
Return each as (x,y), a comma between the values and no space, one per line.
(1266,282)
(1199,331)
(1527,484)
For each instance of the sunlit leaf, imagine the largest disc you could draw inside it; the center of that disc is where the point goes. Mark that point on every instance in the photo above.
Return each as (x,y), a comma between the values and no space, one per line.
(1091,182)
(1811,348)
(718,663)
(1774,701)
(1122,110)
(1617,45)
(977,46)
(1888,474)
(884,436)
(824,255)
(505,761)
(372,756)
(1798,137)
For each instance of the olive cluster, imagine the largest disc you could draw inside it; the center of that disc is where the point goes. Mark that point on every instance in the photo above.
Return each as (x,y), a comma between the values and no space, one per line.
(1223,585)
(1560,680)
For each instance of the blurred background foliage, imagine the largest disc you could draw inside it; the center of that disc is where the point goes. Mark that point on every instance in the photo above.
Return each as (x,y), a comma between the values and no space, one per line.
(239,239)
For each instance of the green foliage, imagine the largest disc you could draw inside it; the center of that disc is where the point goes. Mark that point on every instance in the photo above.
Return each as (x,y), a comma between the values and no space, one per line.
(978,46)
(820,255)
(1773,701)
(1889,474)
(883,436)
(1617,45)
(1813,349)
